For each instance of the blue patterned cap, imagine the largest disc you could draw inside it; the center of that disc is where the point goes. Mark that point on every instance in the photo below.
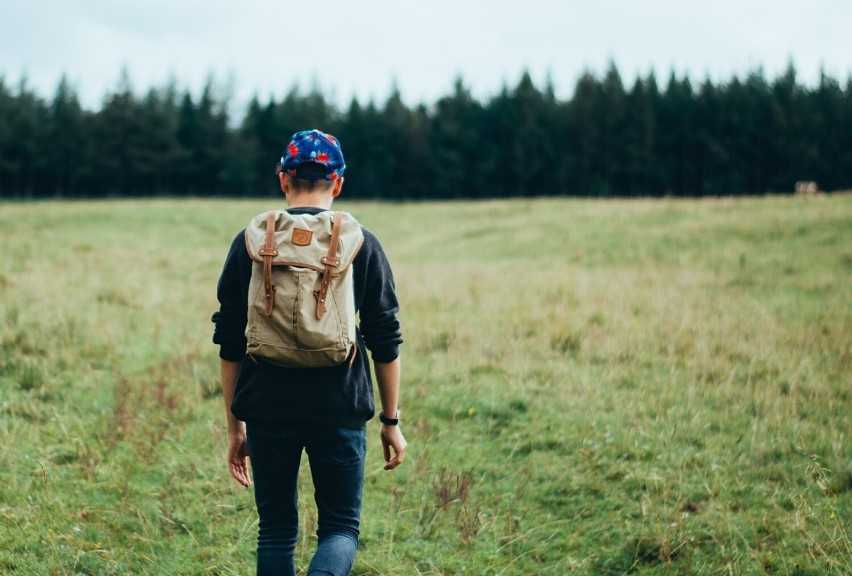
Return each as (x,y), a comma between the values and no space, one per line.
(309,152)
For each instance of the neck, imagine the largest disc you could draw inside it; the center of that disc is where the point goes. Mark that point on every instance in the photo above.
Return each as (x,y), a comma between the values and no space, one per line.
(308,200)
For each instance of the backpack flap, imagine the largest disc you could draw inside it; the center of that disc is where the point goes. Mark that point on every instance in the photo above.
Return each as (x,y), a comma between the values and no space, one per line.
(302,240)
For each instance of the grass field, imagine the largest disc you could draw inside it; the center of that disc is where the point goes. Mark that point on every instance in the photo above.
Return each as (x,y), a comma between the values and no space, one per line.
(590,387)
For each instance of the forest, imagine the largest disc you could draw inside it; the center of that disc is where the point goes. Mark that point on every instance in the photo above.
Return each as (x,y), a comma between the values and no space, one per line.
(674,137)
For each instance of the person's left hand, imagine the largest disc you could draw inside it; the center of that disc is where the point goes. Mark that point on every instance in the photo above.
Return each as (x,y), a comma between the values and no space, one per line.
(237,456)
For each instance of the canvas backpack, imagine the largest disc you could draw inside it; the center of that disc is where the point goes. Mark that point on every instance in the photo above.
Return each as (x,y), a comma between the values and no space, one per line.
(301,304)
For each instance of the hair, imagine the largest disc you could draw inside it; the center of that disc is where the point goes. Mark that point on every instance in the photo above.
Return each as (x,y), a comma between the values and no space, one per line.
(308,184)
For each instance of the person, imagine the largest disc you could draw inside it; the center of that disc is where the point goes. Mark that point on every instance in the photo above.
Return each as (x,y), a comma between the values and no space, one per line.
(274,413)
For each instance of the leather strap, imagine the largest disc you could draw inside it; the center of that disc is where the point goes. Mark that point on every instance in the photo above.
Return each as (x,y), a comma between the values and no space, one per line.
(331,261)
(268,252)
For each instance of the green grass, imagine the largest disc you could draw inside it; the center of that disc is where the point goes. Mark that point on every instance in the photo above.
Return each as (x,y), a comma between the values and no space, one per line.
(618,387)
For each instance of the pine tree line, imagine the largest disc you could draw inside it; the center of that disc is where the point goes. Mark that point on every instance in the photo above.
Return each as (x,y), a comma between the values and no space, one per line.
(744,136)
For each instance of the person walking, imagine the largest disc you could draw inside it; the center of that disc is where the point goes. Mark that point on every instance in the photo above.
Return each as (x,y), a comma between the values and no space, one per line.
(275,412)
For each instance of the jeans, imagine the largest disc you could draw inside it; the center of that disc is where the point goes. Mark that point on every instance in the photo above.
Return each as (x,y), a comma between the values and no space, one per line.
(336,457)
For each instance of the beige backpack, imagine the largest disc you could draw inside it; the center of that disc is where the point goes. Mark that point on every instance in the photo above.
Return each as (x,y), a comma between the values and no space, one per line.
(301,305)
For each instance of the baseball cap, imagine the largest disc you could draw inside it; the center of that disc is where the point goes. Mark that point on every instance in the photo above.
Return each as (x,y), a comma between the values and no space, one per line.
(313,155)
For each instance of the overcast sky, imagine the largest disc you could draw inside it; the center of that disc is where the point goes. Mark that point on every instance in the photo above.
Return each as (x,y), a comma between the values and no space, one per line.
(361,48)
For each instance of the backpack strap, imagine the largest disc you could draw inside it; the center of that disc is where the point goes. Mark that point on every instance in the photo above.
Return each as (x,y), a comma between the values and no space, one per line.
(330,260)
(268,252)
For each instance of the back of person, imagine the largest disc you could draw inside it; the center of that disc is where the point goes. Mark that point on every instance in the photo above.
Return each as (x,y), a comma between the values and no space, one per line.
(277,410)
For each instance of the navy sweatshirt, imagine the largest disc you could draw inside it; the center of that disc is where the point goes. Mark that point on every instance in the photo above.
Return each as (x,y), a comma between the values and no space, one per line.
(339,396)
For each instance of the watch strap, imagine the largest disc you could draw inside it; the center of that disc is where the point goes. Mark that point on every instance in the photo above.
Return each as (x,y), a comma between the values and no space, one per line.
(389,421)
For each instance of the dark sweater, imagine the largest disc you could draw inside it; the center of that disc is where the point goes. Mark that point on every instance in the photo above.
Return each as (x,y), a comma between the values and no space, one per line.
(339,396)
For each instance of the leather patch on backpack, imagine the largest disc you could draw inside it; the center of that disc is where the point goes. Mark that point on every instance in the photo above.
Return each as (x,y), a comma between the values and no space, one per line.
(301,237)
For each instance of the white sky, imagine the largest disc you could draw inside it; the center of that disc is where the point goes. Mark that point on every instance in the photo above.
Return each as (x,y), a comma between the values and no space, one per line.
(361,47)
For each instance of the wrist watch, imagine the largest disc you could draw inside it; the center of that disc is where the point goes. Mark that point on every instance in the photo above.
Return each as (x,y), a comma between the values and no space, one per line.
(389,421)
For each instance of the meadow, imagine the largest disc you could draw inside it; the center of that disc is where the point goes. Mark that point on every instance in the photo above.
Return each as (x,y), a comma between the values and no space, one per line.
(589,387)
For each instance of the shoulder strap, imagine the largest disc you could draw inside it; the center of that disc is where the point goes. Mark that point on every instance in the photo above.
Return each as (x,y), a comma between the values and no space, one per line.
(268,252)
(330,260)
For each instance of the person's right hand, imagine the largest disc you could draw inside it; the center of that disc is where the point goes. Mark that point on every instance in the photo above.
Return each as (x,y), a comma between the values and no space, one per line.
(237,456)
(393,441)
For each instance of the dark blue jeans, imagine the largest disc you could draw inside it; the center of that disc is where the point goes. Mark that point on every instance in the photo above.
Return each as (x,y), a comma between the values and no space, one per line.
(336,457)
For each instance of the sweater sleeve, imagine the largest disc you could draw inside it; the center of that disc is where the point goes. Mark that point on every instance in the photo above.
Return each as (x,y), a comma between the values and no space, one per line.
(230,319)
(378,312)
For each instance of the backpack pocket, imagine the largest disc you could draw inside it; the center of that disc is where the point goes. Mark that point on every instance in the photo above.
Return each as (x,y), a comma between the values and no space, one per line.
(292,335)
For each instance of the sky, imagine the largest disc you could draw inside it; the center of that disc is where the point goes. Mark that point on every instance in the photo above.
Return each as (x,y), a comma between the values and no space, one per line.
(363,48)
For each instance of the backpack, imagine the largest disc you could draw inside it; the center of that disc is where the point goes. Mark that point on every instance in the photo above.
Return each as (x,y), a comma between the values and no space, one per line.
(301,304)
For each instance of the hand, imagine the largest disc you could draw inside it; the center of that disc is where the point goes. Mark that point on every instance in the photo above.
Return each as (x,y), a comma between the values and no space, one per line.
(237,455)
(393,440)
